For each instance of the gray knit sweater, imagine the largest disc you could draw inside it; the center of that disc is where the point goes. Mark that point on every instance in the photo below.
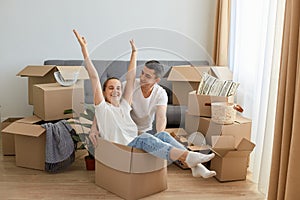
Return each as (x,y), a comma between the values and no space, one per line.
(59,146)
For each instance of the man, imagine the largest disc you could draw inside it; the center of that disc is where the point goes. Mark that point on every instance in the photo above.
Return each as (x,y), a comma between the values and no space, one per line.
(149,101)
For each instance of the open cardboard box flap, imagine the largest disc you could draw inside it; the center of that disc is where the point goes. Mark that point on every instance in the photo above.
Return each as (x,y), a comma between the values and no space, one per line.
(221,72)
(187,73)
(42,70)
(68,71)
(224,146)
(36,70)
(25,127)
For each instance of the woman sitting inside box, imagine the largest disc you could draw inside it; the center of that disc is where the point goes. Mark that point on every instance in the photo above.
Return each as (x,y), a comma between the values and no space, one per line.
(116,125)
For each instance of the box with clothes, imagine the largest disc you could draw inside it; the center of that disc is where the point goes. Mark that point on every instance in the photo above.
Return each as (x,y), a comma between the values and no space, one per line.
(34,151)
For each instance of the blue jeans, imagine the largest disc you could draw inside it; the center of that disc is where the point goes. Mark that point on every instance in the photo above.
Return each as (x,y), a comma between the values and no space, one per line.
(158,145)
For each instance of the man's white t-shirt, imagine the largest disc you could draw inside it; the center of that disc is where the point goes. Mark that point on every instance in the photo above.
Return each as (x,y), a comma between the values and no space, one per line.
(115,123)
(144,109)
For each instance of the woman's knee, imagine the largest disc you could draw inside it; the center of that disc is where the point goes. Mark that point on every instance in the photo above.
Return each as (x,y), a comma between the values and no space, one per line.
(163,134)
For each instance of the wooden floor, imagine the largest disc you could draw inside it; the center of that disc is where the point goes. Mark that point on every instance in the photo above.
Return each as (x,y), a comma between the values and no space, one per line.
(78,183)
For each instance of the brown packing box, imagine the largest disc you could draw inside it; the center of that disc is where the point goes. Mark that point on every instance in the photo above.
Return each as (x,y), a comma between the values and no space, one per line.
(230,163)
(8,140)
(51,100)
(128,172)
(45,74)
(30,140)
(200,105)
(184,79)
(240,129)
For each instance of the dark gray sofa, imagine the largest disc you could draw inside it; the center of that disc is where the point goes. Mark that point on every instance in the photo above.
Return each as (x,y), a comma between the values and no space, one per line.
(118,68)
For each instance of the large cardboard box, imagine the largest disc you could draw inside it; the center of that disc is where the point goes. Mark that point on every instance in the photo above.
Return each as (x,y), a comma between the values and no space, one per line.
(230,162)
(30,141)
(39,74)
(200,105)
(8,140)
(51,100)
(128,172)
(241,128)
(184,79)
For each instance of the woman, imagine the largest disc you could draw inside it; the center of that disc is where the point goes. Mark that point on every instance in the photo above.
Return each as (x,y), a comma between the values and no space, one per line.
(112,110)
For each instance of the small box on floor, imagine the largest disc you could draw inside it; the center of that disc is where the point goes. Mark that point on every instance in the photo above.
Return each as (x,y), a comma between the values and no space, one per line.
(30,141)
(230,162)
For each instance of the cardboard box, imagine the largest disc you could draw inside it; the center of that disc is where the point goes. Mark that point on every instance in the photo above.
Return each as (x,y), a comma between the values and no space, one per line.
(30,141)
(45,74)
(240,129)
(128,172)
(8,140)
(230,162)
(51,100)
(184,79)
(200,105)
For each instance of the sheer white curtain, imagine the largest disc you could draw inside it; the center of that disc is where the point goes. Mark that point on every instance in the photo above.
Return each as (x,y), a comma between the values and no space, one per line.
(254,55)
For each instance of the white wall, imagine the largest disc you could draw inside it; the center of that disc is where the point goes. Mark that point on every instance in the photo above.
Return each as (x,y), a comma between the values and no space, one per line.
(35,30)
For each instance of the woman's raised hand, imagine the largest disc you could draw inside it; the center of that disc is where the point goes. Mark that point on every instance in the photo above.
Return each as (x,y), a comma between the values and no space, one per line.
(81,39)
(133,47)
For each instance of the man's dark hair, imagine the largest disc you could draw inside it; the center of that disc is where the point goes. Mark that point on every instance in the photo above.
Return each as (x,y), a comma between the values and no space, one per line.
(156,66)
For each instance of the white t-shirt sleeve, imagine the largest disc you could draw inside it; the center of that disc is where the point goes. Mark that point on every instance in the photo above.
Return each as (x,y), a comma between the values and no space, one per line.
(162,99)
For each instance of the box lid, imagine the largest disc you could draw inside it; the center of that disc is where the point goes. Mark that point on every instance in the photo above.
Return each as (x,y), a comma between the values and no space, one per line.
(245,145)
(67,72)
(36,70)
(30,119)
(25,127)
(224,146)
(187,73)
(221,72)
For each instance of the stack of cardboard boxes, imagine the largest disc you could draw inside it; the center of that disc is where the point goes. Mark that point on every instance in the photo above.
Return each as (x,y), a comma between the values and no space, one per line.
(185,82)
(24,137)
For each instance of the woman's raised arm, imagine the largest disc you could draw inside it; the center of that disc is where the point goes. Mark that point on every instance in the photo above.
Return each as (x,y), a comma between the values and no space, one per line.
(93,74)
(131,74)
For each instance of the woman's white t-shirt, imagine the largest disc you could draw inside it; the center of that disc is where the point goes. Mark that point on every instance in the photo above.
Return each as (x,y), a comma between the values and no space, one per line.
(115,123)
